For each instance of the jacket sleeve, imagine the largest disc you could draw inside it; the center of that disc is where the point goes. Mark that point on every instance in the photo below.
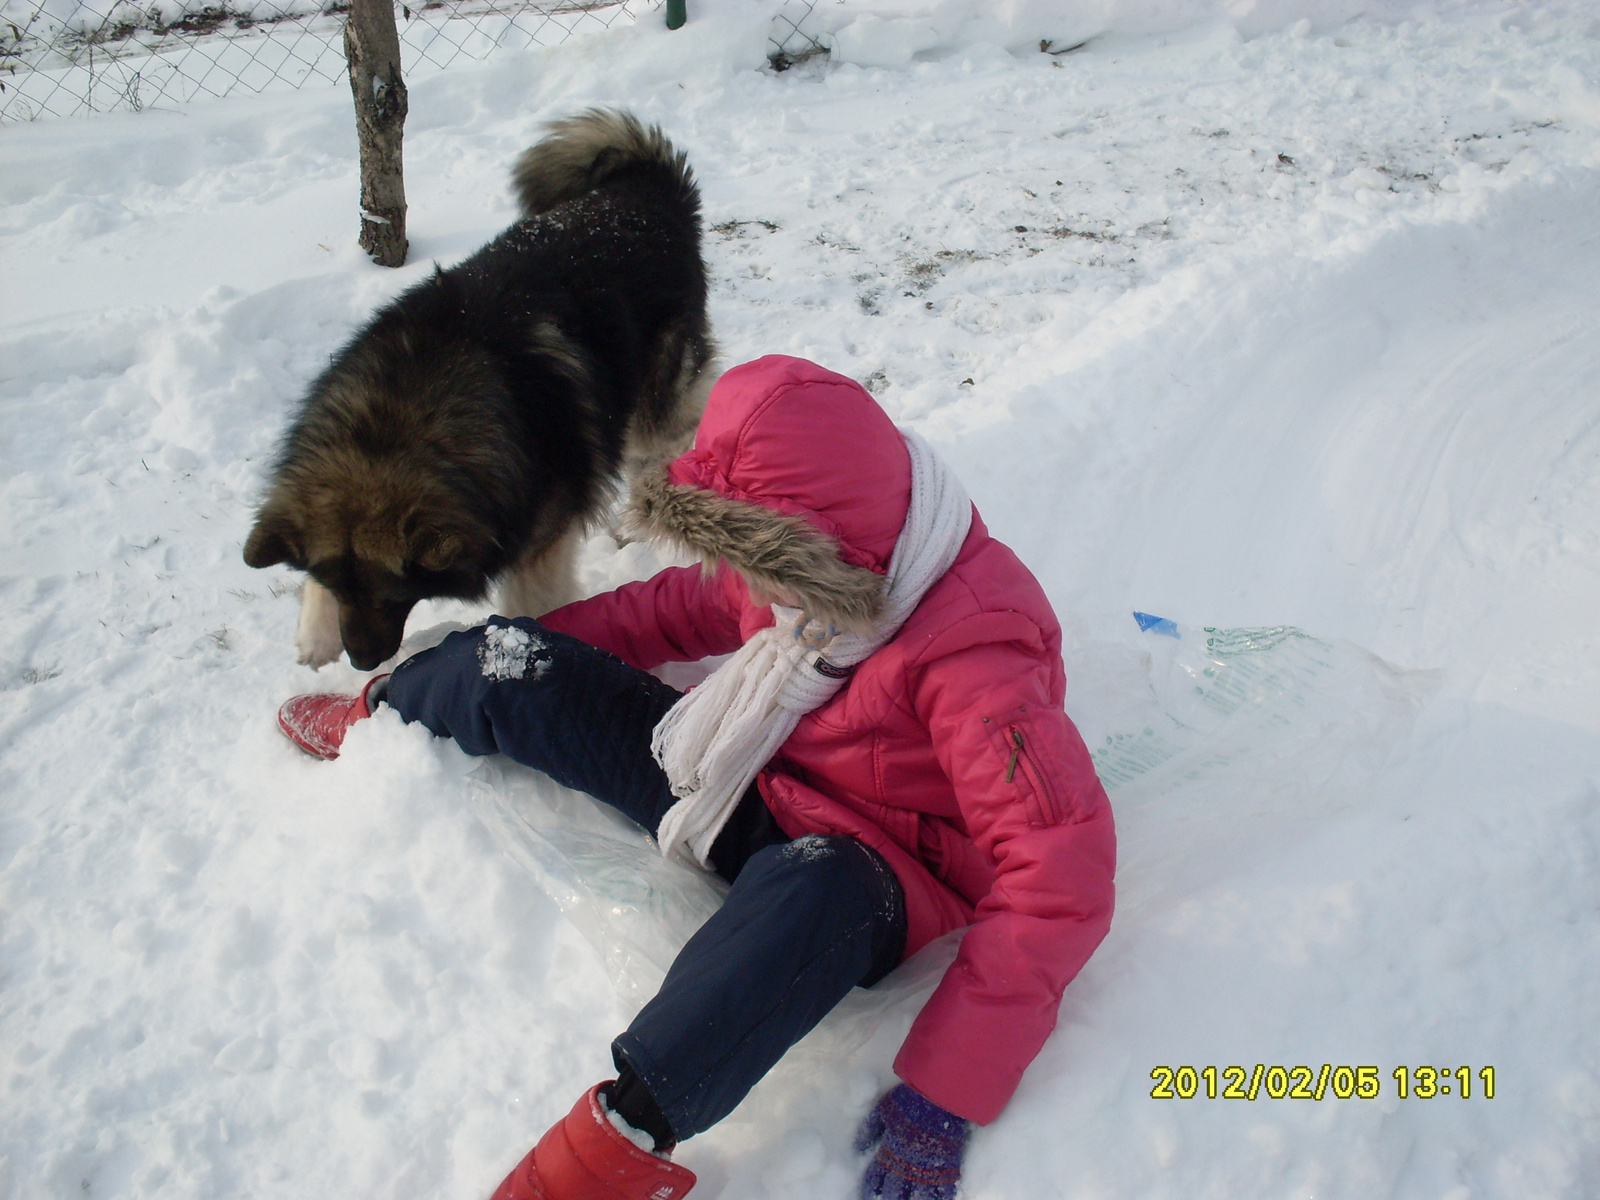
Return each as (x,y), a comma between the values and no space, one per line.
(1034,807)
(674,616)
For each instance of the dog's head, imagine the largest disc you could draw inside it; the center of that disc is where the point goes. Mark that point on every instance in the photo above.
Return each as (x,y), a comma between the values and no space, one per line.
(379,543)
(398,481)
(410,472)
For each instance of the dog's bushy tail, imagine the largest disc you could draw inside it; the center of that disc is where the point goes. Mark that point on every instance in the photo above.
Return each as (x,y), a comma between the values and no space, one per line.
(581,152)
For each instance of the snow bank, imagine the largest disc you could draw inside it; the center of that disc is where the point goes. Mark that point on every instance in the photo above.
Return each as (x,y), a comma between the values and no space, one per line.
(885,33)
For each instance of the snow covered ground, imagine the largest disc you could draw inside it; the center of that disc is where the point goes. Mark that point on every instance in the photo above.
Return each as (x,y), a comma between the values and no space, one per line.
(1279,320)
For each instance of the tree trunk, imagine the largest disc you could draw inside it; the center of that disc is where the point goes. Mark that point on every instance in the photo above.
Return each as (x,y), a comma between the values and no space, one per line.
(372,50)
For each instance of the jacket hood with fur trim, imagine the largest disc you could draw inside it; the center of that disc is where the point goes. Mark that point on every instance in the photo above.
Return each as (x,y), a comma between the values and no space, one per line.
(797,479)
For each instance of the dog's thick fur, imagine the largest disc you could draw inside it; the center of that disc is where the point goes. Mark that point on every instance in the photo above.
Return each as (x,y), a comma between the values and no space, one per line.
(481,420)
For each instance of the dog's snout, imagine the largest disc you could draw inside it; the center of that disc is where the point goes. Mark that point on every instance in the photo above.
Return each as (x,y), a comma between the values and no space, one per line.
(372,635)
(367,661)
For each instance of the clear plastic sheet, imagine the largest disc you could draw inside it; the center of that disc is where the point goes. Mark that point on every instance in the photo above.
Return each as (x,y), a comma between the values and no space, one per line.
(1164,706)
(606,875)
(1219,744)
(1196,732)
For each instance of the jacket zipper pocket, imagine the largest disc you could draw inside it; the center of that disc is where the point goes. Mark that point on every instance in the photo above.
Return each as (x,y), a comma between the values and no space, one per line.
(1042,809)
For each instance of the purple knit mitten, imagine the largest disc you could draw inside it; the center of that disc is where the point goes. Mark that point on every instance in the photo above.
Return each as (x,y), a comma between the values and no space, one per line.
(919,1148)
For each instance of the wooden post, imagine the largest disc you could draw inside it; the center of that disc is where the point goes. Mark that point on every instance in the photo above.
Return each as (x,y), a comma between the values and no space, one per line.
(372,50)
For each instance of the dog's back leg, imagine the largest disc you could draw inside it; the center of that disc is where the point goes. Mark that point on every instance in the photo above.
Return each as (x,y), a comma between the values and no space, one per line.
(544,581)
(317,637)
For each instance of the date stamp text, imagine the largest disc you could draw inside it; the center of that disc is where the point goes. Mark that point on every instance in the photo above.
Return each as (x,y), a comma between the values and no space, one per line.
(1318,1083)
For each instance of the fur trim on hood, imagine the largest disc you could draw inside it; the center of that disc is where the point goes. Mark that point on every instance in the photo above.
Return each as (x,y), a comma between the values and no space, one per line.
(773,551)
(797,479)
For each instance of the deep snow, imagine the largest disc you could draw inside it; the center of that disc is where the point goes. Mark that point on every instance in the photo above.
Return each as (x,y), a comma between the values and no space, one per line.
(1287,320)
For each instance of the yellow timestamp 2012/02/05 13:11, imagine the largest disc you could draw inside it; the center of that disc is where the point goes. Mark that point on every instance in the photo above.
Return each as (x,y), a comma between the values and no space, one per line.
(1310,1083)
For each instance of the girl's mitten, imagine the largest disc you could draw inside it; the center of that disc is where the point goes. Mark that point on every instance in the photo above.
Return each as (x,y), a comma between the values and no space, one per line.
(919,1148)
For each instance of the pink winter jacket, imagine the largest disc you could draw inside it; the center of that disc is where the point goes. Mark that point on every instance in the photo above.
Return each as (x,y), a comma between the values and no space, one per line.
(948,751)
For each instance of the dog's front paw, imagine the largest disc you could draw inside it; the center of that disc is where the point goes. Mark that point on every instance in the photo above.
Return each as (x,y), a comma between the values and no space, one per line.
(317,639)
(316,654)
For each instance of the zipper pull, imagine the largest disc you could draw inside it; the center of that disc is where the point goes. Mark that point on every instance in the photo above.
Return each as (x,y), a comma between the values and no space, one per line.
(1016,749)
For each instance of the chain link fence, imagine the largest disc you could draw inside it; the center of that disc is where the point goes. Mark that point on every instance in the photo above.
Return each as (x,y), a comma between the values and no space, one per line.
(794,36)
(61,58)
(64,58)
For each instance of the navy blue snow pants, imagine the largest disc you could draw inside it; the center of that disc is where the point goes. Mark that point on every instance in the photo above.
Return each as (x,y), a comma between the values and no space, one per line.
(803,923)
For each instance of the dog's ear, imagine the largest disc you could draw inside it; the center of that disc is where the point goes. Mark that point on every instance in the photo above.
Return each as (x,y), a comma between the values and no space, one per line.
(438,550)
(271,542)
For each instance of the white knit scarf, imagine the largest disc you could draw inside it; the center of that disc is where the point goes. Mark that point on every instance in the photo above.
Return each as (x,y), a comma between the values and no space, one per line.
(713,742)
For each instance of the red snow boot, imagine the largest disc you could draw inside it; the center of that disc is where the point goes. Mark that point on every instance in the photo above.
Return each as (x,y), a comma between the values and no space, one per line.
(586,1157)
(318,723)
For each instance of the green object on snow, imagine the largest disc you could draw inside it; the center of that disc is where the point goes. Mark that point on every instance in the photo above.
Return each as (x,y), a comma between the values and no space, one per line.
(677,13)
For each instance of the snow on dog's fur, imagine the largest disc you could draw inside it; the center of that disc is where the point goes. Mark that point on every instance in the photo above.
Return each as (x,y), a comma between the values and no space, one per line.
(479,422)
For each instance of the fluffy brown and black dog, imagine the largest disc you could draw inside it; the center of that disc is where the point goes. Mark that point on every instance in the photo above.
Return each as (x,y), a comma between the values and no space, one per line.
(478,423)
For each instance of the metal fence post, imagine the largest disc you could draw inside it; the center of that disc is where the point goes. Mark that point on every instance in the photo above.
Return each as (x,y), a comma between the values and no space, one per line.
(372,50)
(677,13)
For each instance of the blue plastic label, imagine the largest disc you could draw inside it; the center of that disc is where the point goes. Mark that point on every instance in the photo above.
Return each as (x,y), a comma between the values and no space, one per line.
(1160,625)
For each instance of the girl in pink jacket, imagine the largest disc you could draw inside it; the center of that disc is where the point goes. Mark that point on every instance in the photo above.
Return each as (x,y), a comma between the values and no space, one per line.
(883,759)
